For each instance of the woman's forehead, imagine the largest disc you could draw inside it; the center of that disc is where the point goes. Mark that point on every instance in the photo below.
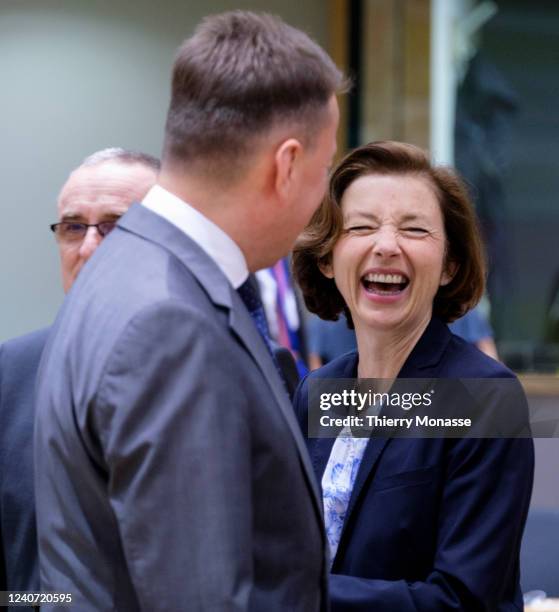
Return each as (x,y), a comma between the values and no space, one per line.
(378,196)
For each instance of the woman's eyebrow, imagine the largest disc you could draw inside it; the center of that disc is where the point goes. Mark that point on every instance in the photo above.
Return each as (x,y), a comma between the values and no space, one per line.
(364,214)
(412,217)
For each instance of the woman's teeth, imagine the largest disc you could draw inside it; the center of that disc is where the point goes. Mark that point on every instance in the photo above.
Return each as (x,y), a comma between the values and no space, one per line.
(384,284)
(384,278)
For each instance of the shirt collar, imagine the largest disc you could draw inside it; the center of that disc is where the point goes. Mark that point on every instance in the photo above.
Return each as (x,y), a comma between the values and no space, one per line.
(205,233)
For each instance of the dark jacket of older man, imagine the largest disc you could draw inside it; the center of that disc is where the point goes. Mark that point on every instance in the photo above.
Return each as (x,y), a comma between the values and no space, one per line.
(19,360)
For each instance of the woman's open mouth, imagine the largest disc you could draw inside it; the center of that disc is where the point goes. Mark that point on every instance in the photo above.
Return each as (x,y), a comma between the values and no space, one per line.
(384,284)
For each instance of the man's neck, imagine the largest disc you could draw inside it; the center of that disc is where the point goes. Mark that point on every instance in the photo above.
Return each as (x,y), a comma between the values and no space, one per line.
(232,210)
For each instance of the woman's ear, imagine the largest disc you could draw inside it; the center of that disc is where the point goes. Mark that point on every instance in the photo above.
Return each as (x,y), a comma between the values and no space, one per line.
(326,268)
(449,272)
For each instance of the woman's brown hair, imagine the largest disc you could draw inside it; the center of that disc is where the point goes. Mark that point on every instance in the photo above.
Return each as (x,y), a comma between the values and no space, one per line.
(464,246)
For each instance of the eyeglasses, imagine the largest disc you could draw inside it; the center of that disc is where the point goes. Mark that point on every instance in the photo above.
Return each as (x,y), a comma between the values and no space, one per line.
(69,231)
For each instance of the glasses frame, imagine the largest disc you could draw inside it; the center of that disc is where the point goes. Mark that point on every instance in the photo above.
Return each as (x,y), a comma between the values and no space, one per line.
(54,228)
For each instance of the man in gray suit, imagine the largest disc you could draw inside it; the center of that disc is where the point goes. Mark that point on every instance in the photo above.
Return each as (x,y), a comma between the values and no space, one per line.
(95,195)
(171,474)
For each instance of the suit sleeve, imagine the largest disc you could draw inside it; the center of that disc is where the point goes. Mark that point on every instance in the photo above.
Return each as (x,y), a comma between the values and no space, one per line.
(482,515)
(175,431)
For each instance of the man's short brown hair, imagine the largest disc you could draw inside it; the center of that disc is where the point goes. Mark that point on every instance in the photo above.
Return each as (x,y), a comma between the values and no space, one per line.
(463,249)
(240,74)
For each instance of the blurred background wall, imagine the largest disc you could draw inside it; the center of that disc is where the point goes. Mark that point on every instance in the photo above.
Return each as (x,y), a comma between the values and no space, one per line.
(77,76)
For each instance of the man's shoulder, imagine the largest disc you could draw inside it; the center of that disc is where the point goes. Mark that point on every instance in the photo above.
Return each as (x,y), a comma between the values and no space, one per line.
(32,340)
(112,314)
(23,351)
(132,270)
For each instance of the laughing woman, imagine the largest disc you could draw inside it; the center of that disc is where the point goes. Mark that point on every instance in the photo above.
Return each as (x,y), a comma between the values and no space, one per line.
(416,524)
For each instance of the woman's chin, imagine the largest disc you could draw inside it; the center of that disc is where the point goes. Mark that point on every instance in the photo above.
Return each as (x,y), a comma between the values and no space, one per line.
(379,321)
(380,311)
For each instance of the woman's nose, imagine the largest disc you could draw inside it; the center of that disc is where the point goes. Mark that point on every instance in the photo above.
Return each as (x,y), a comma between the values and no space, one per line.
(386,242)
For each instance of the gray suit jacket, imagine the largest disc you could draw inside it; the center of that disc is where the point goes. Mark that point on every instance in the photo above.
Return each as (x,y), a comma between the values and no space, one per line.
(170,471)
(19,361)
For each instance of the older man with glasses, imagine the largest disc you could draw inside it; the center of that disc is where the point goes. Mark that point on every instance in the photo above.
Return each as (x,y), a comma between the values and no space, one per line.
(95,196)
(92,200)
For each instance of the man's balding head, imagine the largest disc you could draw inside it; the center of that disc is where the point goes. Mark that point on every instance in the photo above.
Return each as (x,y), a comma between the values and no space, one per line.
(98,191)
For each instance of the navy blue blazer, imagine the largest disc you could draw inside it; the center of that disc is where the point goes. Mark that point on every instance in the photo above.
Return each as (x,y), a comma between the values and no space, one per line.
(19,361)
(433,524)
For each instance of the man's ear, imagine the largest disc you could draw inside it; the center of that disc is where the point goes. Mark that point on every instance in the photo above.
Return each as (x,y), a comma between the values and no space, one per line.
(449,272)
(326,268)
(286,158)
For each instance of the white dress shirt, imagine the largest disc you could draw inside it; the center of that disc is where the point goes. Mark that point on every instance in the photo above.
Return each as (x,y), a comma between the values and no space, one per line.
(205,233)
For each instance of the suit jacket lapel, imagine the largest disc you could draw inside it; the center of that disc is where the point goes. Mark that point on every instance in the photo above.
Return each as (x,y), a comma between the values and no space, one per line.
(320,448)
(421,363)
(151,226)
(370,457)
(243,326)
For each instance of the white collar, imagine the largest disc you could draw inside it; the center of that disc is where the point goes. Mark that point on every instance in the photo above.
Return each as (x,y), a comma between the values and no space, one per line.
(205,233)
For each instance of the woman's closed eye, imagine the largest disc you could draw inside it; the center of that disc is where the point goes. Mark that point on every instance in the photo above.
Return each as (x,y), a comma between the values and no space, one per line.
(360,229)
(415,229)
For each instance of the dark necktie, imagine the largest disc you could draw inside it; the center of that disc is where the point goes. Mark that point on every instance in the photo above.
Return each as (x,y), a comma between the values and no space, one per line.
(251,298)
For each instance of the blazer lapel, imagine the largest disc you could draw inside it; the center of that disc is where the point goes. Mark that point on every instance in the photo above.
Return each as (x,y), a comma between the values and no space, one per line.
(242,325)
(371,456)
(151,226)
(421,363)
(320,448)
